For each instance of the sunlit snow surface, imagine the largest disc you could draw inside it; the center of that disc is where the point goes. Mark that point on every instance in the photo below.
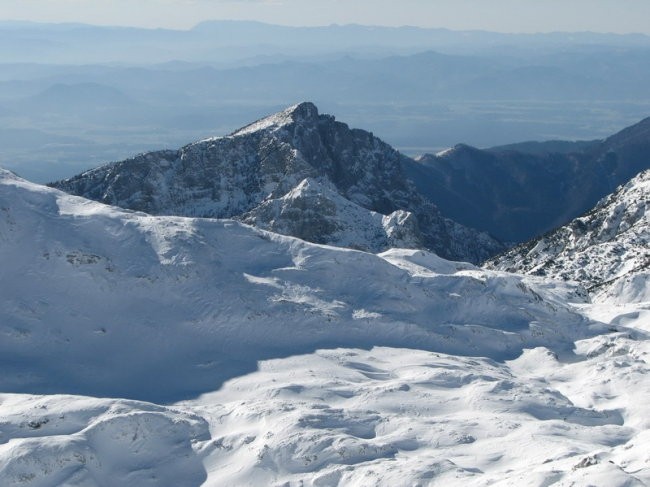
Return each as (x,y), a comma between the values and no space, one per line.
(386,416)
(240,334)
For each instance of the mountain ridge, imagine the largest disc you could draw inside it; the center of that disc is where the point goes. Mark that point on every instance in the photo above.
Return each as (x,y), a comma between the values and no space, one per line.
(607,249)
(231,176)
(517,194)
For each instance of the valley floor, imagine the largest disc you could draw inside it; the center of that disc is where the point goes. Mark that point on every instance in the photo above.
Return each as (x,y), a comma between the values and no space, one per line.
(384,416)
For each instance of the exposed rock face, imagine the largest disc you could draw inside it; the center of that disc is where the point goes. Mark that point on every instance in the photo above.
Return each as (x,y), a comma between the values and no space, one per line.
(296,172)
(517,194)
(315,212)
(607,249)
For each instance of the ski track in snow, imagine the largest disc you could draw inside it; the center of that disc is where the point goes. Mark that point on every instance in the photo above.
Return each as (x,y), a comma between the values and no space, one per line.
(252,325)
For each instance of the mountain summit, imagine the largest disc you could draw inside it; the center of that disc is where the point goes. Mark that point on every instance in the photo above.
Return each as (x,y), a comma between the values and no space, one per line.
(296,172)
(303,113)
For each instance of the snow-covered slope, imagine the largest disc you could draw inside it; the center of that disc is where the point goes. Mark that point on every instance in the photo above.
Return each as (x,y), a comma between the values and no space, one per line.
(106,301)
(395,417)
(259,174)
(297,363)
(68,440)
(607,249)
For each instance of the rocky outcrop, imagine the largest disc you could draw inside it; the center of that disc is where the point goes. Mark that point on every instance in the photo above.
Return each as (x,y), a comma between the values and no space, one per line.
(606,249)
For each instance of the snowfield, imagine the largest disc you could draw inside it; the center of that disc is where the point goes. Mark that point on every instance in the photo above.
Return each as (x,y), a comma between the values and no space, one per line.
(385,416)
(278,362)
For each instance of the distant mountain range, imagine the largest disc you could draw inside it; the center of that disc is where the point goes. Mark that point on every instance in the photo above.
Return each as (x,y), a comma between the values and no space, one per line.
(218,40)
(519,192)
(298,173)
(128,90)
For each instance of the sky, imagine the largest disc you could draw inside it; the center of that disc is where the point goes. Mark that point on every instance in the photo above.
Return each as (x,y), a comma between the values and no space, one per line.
(620,16)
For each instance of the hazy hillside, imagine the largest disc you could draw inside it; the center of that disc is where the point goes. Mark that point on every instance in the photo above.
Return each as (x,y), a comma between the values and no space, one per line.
(517,193)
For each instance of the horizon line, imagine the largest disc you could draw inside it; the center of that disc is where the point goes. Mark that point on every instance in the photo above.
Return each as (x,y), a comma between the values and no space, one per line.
(321,26)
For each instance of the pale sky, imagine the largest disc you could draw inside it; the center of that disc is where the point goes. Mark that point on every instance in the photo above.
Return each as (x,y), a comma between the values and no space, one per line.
(620,16)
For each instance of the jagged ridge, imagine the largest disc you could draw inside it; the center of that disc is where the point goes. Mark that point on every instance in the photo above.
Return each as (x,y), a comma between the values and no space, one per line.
(268,164)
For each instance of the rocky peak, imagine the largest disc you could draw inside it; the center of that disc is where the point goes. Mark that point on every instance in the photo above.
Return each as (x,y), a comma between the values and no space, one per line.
(305,113)
(315,211)
(461,149)
(279,173)
(461,157)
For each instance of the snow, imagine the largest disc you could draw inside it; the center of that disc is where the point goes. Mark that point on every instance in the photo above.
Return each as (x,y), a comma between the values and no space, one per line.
(296,173)
(173,294)
(390,416)
(277,120)
(316,212)
(251,358)
(445,152)
(607,249)
(68,440)
(381,416)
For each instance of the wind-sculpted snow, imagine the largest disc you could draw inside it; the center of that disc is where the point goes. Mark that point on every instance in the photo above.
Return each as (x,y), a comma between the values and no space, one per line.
(102,301)
(389,417)
(68,440)
(607,249)
(298,364)
(380,417)
(258,174)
